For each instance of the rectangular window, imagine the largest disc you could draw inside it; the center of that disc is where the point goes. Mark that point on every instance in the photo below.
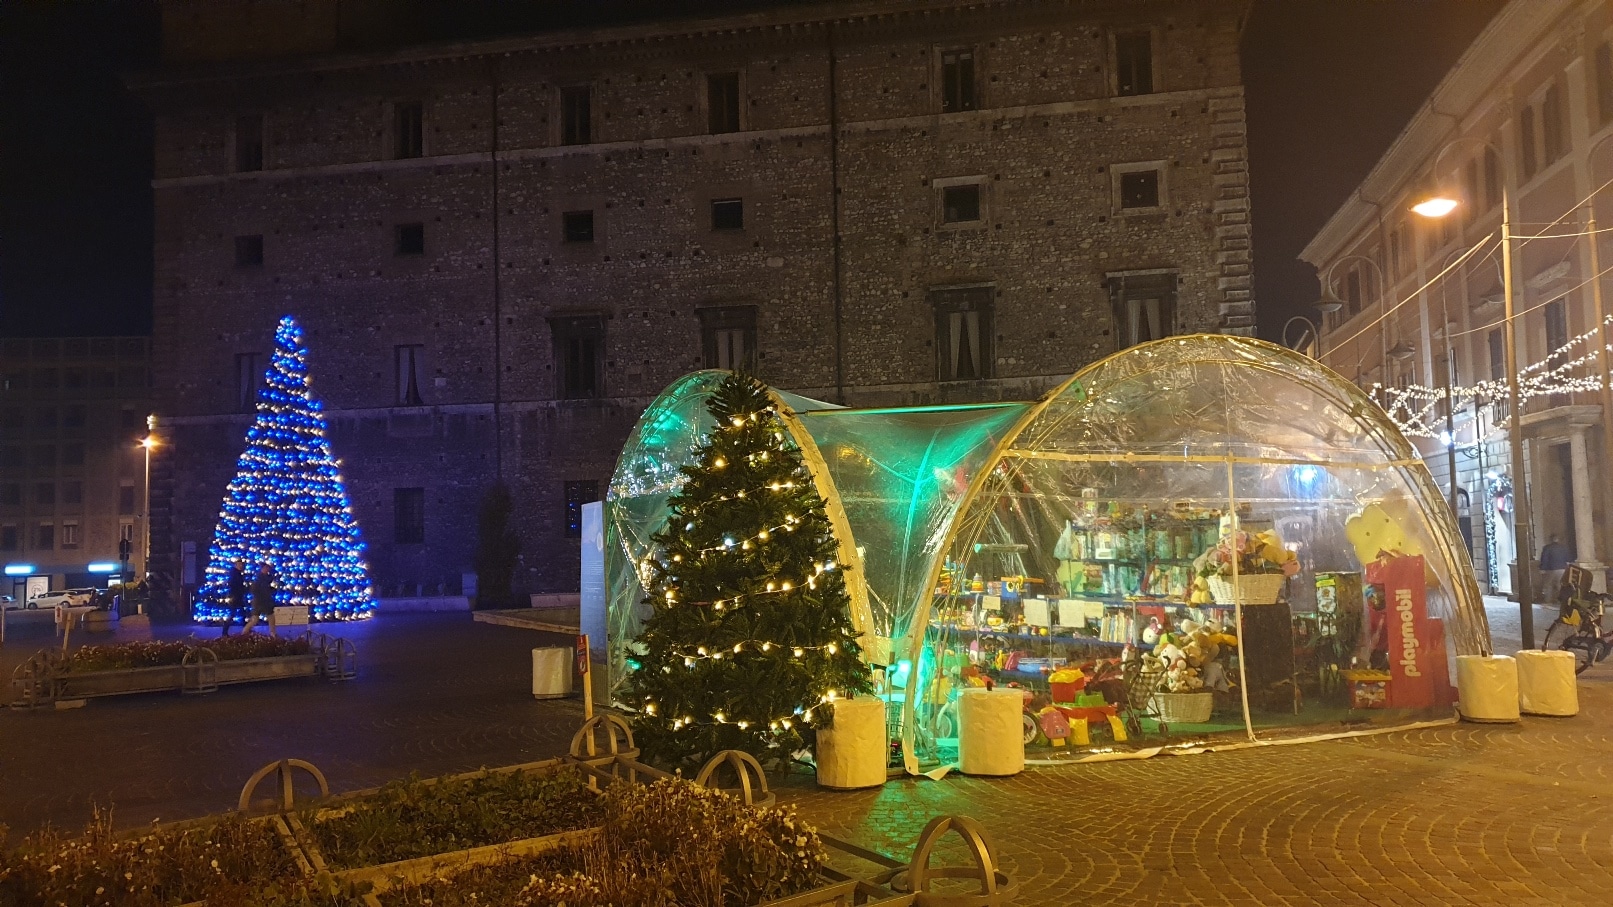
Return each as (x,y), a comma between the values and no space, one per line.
(577,226)
(575,115)
(45,456)
(13,420)
(1144,306)
(1139,189)
(1134,62)
(728,337)
(1526,140)
(722,102)
(1492,179)
(247,376)
(73,378)
(45,536)
(73,492)
(74,417)
(1396,247)
(69,534)
(957,81)
(45,493)
(585,491)
(1556,326)
(1498,355)
(126,530)
(1604,82)
(1470,188)
(408,515)
(409,239)
(45,418)
(11,458)
(963,333)
(1553,133)
(45,379)
(728,214)
(8,537)
(249,251)
(960,204)
(249,143)
(72,454)
(408,129)
(579,356)
(1352,292)
(10,494)
(406,363)
(126,497)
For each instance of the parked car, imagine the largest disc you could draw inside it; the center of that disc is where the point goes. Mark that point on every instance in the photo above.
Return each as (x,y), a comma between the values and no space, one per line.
(69,597)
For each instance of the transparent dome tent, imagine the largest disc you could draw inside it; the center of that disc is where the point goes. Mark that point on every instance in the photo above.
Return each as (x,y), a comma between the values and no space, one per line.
(1060,546)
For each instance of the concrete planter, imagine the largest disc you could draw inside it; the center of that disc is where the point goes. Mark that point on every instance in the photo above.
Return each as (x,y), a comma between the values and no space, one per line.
(197,677)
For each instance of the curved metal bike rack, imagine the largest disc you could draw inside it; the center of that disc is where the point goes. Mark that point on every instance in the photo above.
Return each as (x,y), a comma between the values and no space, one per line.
(997,889)
(199,672)
(288,794)
(745,767)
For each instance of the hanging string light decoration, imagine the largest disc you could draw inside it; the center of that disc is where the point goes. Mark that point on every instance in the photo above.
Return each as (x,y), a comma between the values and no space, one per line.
(751,632)
(287,507)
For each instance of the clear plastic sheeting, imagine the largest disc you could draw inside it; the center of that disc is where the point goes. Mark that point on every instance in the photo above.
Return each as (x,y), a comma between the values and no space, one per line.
(1058,547)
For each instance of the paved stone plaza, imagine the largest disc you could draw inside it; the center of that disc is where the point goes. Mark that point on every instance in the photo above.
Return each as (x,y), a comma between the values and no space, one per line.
(1464,814)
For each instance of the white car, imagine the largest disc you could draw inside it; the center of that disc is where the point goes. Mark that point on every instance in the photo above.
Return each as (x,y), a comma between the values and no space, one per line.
(69,597)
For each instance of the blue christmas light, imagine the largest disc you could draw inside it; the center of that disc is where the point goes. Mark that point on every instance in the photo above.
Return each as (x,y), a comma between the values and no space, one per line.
(287,506)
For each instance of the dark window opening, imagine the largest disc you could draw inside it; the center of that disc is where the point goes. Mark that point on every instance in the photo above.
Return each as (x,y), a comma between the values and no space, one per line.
(406,361)
(728,337)
(1139,189)
(408,515)
(1526,141)
(249,251)
(960,204)
(963,333)
(578,493)
(579,355)
(1492,179)
(45,536)
(1134,62)
(73,492)
(249,143)
(408,129)
(1604,82)
(577,226)
(11,494)
(72,455)
(1144,307)
(247,376)
(126,498)
(1352,292)
(1556,326)
(1553,132)
(45,493)
(722,102)
(957,81)
(575,115)
(410,239)
(8,538)
(728,214)
(74,417)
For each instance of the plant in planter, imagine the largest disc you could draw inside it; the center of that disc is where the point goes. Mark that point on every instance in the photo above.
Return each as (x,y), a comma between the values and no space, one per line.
(668,843)
(415,818)
(154,654)
(751,631)
(224,862)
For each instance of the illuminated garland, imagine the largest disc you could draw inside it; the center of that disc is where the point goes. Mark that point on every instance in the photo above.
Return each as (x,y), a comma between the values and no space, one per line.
(287,507)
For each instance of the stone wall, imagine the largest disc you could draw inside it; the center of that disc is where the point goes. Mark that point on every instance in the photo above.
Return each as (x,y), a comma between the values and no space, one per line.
(845,317)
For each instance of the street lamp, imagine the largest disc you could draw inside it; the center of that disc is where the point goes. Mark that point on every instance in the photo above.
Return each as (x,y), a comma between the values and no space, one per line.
(1309,340)
(1440,206)
(146,443)
(1330,301)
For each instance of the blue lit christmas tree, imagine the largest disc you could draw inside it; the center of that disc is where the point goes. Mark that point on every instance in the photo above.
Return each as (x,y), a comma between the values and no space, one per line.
(287,507)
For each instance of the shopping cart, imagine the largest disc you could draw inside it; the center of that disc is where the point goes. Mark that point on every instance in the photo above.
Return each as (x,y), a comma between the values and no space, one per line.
(1140,688)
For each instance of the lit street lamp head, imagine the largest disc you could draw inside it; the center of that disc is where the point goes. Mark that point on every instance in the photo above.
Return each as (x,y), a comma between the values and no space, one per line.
(1437,206)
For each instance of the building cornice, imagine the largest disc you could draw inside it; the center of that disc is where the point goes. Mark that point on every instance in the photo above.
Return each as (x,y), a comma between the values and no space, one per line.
(1507,38)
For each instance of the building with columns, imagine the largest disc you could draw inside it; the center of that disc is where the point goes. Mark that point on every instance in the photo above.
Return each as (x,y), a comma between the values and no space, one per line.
(1525,115)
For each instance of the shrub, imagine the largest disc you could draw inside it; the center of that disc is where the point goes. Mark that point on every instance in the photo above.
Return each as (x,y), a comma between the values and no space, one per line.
(412,818)
(155,654)
(669,844)
(224,862)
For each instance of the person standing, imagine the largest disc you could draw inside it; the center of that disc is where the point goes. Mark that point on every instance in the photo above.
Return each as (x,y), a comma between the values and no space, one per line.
(1554,560)
(236,589)
(262,599)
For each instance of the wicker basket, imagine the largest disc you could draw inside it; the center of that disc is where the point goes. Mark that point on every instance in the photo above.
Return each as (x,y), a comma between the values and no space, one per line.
(1184,708)
(1248,589)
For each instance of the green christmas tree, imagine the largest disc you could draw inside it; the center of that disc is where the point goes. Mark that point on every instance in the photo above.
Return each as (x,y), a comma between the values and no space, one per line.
(751,633)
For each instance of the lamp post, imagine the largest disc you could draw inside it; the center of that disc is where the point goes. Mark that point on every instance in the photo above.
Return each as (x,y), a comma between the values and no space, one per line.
(147,443)
(1330,299)
(1601,333)
(1313,339)
(1440,206)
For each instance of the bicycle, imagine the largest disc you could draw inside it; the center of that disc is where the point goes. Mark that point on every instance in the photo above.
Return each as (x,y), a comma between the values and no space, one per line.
(1578,627)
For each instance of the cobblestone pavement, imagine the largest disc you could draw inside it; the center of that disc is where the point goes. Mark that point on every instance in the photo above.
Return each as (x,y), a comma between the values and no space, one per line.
(1461,814)
(436,693)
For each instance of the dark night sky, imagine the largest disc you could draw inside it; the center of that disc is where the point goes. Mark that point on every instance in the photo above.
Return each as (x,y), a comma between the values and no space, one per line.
(1329,84)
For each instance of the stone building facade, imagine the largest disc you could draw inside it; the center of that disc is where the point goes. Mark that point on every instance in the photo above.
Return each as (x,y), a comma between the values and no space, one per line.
(1521,125)
(72,469)
(502,249)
